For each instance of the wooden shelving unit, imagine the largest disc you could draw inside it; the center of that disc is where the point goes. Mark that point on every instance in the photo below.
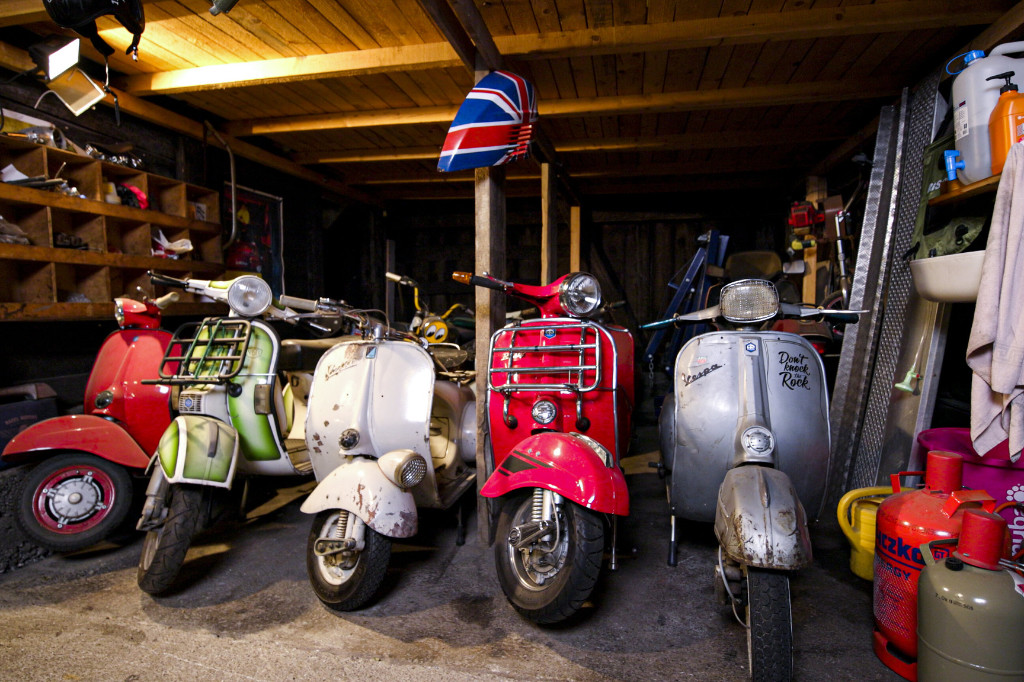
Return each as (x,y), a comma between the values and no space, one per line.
(41,281)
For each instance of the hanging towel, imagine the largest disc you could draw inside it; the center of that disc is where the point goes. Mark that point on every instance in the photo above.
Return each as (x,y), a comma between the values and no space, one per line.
(995,351)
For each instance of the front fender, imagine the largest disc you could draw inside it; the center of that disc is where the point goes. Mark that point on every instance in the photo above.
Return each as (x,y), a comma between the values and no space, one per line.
(759,520)
(197,449)
(566,464)
(359,486)
(82,432)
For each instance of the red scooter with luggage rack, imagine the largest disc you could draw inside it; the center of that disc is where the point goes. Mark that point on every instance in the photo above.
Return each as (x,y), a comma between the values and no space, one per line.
(560,399)
(81,489)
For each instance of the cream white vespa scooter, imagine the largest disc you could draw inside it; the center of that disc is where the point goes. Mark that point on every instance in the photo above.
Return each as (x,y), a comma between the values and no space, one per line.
(391,427)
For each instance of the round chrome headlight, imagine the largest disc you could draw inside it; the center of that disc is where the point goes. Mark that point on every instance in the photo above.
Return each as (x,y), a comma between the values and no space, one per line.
(580,294)
(544,412)
(758,441)
(404,468)
(749,300)
(249,296)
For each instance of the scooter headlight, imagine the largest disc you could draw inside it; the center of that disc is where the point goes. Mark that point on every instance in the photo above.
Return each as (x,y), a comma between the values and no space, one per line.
(404,468)
(249,296)
(749,300)
(544,412)
(580,294)
(758,441)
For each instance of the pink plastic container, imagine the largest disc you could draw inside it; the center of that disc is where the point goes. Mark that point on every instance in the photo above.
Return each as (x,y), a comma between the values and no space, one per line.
(994,473)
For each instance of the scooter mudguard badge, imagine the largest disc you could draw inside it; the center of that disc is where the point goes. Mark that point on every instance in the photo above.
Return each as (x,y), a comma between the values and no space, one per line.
(566,464)
(750,348)
(200,450)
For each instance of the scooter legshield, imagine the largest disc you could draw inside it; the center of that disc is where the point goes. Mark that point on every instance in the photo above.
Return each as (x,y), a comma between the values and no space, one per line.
(82,432)
(759,520)
(196,449)
(565,464)
(360,487)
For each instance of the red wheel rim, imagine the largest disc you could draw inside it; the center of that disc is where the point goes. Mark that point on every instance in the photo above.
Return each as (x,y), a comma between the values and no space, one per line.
(73,499)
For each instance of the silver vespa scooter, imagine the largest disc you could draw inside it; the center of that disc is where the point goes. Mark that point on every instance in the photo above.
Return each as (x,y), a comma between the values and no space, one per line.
(745,443)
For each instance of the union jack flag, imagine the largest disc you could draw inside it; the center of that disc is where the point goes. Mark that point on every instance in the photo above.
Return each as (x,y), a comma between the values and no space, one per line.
(493,126)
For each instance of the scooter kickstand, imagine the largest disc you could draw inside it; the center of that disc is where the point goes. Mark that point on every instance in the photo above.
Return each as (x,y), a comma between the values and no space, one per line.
(460,521)
(672,542)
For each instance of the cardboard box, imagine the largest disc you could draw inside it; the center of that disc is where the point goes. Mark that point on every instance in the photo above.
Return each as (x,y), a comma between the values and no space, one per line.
(22,406)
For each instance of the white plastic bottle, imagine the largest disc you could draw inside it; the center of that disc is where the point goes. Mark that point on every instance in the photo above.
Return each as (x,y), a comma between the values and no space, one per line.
(974,98)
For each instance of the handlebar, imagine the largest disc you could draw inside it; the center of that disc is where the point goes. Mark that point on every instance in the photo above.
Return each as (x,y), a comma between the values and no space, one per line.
(166,299)
(166,280)
(298,303)
(477,281)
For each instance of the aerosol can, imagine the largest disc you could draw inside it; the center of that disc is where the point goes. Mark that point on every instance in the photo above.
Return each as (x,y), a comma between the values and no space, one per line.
(971,608)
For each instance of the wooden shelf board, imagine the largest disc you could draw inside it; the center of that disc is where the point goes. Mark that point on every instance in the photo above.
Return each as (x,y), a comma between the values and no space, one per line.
(45,312)
(39,197)
(46,254)
(989,184)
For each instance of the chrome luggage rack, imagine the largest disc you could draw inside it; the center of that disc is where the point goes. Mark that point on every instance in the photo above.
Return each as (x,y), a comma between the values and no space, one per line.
(579,378)
(207,352)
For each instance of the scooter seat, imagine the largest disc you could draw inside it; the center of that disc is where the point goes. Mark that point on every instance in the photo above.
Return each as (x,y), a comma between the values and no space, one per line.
(301,355)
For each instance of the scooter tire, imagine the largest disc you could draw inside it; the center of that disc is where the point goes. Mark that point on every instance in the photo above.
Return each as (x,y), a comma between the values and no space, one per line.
(164,549)
(770,635)
(365,580)
(86,476)
(561,597)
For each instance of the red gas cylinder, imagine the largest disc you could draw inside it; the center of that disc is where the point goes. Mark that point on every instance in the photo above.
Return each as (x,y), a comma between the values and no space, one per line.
(905,521)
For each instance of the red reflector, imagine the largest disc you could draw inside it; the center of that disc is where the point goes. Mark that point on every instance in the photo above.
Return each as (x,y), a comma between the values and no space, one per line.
(819,346)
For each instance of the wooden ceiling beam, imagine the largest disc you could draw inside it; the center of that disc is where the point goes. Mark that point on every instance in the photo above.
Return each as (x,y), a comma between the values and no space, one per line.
(716,140)
(440,12)
(16,12)
(999,30)
(730,30)
(690,100)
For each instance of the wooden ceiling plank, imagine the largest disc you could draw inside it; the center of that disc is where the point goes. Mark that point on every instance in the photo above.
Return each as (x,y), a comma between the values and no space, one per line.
(224,25)
(998,30)
(440,12)
(572,15)
(629,68)
(313,25)
(340,18)
(545,14)
(254,18)
(520,15)
(471,20)
(217,33)
(17,12)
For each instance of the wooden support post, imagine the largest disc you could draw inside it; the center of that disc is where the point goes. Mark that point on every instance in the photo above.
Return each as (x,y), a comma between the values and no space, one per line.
(490,313)
(549,225)
(575,234)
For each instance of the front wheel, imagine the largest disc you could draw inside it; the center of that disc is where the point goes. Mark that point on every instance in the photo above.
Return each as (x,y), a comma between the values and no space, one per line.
(72,501)
(164,549)
(346,580)
(770,631)
(549,579)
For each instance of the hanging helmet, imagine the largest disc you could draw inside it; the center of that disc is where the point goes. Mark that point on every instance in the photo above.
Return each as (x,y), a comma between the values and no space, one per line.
(80,16)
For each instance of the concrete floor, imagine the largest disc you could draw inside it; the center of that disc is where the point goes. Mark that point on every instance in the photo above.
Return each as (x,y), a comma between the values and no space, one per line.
(245,611)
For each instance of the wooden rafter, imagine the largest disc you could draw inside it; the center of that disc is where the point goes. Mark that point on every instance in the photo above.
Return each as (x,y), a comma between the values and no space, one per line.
(15,12)
(694,100)
(716,140)
(730,30)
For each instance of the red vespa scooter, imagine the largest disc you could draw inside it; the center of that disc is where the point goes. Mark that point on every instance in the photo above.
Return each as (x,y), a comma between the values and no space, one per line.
(81,490)
(559,405)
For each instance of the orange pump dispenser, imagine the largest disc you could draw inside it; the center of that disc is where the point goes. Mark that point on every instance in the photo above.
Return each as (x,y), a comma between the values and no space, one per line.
(1006,123)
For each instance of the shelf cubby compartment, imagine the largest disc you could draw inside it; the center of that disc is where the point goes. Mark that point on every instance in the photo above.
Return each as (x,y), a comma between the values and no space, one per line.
(82,172)
(33,220)
(75,281)
(207,247)
(202,204)
(129,237)
(167,196)
(87,227)
(27,281)
(127,282)
(27,157)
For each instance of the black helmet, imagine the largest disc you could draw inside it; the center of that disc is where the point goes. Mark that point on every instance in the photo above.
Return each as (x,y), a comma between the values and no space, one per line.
(80,15)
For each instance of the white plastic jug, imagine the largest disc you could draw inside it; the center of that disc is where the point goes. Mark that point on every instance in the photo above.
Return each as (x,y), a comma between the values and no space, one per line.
(974,98)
